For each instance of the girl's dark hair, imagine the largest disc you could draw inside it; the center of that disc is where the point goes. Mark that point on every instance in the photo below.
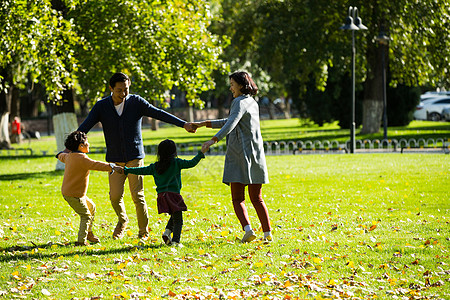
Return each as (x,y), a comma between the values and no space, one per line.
(118,77)
(167,151)
(74,140)
(244,79)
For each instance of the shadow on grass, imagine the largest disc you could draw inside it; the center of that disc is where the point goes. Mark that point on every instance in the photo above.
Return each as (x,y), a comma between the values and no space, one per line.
(25,176)
(23,253)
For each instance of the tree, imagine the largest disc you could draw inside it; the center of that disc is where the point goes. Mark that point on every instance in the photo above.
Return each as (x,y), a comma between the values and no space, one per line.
(161,44)
(36,42)
(418,53)
(297,42)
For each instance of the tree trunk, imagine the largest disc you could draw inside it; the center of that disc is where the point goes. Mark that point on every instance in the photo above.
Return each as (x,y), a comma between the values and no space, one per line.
(220,102)
(15,104)
(64,122)
(5,109)
(373,93)
(154,124)
(191,113)
(287,109)
(5,142)
(372,111)
(270,110)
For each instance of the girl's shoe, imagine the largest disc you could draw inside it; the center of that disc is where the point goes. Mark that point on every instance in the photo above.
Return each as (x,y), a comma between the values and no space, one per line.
(167,239)
(248,236)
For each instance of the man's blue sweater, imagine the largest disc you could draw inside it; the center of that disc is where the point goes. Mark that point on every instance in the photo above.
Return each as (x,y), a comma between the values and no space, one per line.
(123,135)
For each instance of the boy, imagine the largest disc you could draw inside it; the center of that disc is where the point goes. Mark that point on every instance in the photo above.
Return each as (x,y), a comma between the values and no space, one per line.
(76,181)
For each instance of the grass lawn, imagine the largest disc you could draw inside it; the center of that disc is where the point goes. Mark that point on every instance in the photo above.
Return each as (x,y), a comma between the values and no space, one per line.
(345,226)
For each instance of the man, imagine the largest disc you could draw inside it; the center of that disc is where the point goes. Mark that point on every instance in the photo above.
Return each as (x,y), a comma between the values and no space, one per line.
(121,117)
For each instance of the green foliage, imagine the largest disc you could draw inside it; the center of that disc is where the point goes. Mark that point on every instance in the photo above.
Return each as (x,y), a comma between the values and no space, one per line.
(419,51)
(353,226)
(161,44)
(81,43)
(36,40)
(297,44)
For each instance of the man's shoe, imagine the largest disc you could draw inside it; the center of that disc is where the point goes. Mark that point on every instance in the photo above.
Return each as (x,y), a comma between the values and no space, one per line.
(143,236)
(248,236)
(81,244)
(92,238)
(167,239)
(119,231)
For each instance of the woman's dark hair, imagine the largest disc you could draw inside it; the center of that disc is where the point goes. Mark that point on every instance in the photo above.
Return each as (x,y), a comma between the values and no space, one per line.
(74,140)
(244,79)
(167,151)
(118,77)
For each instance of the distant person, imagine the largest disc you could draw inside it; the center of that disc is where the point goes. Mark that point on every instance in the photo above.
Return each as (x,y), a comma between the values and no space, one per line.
(121,117)
(16,130)
(167,174)
(245,162)
(76,182)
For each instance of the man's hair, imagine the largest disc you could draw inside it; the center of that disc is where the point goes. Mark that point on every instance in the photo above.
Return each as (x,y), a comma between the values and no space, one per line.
(74,140)
(248,85)
(118,77)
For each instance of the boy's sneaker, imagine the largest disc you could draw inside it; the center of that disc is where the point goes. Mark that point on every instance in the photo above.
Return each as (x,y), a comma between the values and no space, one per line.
(167,239)
(119,231)
(92,238)
(175,244)
(248,236)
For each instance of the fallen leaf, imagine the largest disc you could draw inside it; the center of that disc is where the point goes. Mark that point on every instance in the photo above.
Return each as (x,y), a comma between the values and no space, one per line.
(172,294)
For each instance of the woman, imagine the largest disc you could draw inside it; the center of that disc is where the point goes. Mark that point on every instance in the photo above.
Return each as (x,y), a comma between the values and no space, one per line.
(245,162)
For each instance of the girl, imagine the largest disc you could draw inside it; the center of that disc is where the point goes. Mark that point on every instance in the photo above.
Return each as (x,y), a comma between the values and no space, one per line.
(245,163)
(167,174)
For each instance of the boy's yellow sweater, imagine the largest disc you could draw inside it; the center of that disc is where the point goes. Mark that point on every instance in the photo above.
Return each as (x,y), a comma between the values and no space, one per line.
(76,173)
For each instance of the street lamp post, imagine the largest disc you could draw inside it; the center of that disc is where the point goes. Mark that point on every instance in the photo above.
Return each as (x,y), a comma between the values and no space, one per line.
(383,41)
(353,22)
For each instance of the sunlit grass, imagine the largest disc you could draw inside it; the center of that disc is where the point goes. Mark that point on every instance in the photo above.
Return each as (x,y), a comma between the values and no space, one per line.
(344,225)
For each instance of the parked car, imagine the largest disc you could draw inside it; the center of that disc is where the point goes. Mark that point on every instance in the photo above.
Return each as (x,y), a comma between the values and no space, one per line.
(429,95)
(446,114)
(431,109)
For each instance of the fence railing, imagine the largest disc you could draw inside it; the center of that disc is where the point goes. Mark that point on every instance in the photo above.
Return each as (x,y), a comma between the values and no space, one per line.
(439,145)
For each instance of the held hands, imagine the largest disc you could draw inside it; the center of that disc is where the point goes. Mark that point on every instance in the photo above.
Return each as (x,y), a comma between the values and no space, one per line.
(193,126)
(118,169)
(207,144)
(190,127)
